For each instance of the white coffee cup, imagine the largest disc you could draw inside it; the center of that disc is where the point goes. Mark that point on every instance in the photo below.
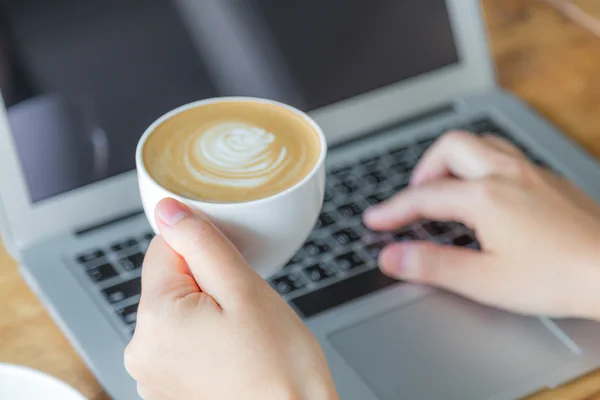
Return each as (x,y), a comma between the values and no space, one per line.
(269,231)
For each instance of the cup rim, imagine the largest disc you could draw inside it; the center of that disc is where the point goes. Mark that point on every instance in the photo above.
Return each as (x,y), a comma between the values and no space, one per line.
(141,167)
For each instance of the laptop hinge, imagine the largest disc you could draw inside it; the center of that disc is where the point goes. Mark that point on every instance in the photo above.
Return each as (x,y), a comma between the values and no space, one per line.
(106,223)
(446,109)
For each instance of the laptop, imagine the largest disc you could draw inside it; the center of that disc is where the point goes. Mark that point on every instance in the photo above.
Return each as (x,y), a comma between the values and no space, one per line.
(81,80)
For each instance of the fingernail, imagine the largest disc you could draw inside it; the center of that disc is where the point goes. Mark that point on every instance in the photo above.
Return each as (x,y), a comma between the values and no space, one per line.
(171,211)
(397,262)
(374,213)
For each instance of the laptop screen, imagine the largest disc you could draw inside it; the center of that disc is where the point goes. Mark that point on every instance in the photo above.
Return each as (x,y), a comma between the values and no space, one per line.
(83,79)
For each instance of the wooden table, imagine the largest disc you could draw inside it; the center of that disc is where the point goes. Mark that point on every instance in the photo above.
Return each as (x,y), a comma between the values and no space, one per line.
(548,58)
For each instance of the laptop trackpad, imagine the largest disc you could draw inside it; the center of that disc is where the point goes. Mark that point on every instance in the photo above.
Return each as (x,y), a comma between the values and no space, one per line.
(443,347)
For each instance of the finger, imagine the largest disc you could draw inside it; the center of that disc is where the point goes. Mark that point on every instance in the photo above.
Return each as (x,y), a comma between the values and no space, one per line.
(165,275)
(463,155)
(467,272)
(218,267)
(148,394)
(442,200)
(502,144)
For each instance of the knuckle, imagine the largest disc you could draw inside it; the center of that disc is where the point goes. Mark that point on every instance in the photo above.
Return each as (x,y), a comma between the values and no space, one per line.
(493,137)
(428,261)
(517,168)
(455,140)
(487,191)
(453,137)
(150,316)
(131,360)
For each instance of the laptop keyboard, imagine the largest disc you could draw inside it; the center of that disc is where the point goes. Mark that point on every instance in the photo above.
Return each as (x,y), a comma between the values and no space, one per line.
(338,263)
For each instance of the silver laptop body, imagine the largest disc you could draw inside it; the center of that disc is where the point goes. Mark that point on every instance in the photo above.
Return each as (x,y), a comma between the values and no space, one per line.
(383,79)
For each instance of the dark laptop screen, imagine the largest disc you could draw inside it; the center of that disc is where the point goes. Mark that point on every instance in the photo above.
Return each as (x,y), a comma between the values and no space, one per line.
(84,78)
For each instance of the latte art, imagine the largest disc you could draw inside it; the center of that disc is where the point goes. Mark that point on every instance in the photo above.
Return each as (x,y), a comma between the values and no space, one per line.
(231,151)
(235,154)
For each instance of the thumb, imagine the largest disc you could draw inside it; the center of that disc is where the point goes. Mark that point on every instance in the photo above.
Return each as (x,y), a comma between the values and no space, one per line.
(467,272)
(215,263)
(165,275)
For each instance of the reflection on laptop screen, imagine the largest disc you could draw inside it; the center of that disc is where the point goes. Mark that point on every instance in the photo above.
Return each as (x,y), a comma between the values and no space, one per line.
(82,79)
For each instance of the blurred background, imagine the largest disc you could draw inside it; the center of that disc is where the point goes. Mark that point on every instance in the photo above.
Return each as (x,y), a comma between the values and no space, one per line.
(96,73)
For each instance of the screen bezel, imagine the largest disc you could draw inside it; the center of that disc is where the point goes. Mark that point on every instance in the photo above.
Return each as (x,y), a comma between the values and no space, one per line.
(23,222)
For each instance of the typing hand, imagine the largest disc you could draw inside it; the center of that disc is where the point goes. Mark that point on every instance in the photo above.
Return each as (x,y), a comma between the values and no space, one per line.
(209,327)
(539,234)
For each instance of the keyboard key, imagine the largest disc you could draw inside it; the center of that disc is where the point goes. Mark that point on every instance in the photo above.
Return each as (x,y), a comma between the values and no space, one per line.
(455,226)
(419,151)
(407,234)
(316,247)
(426,143)
(375,248)
(341,172)
(325,219)
(317,273)
(400,186)
(328,195)
(341,292)
(402,168)
(462,240)
(90,256)
(370,162)
(149,236)
(128,314)
(347,187)
(346,236)
(374,177)
(102,272)
(125,244)
(297,259)
(377,198)
(124,290)
(288,283)
(436,228)
(372,200)
(132,262)
(348,261)
(350,210)
(400,153)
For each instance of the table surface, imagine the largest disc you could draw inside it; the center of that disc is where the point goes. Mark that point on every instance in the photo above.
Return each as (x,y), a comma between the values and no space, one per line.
(547,54)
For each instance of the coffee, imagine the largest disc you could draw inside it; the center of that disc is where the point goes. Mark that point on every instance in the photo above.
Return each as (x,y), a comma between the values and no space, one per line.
(231,151)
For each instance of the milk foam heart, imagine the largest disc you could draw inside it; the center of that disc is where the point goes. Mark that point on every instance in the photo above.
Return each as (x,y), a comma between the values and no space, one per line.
(231,152)
(235,154)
